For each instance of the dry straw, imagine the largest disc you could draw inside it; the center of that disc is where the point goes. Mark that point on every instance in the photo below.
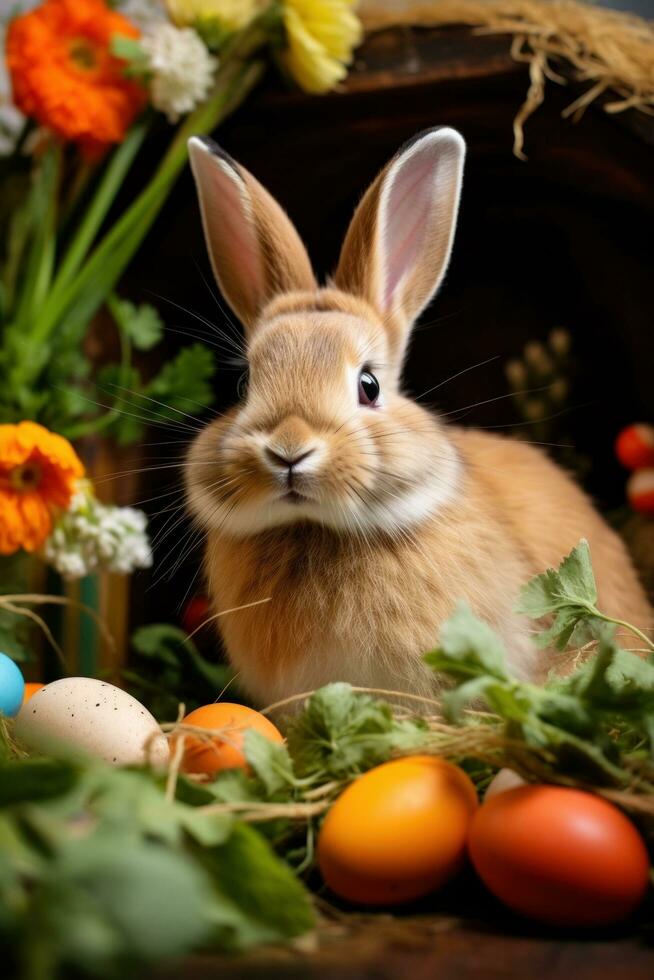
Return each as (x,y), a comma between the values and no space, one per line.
(484,738)
(606,50)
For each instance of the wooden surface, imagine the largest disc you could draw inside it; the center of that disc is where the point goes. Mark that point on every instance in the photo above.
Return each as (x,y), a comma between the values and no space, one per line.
(440,948)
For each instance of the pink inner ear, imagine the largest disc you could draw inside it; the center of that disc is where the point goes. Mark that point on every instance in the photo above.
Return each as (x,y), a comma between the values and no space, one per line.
(232,237)
(405,217)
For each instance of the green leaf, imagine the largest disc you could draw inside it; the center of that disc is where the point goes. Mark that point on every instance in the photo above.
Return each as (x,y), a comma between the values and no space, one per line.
(161,641)
(118,391)
(208,829)
(572,626)
(268,902)
(125,48)
(181,388)
(130,51)
(234,786)
(213,32)
(583,722)
(142,899)
(341,734)
(16,637)
(34,779)
(170,668)
(614,679)
(573,583)
(141,324)
(569,595)
(17,852)
(468,647)
(455,701)
(270,761)
(133,801)
(184,383)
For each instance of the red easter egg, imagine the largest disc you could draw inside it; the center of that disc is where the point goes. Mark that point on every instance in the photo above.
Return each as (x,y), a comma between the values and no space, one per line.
(560,855)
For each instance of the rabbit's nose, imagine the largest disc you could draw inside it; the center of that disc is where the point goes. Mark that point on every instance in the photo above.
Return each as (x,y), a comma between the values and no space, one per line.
(286,459)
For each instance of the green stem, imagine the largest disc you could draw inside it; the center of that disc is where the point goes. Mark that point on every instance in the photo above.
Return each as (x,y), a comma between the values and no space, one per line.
(114,252)
(628,626)
(108,187)
(44,215)
(85,170)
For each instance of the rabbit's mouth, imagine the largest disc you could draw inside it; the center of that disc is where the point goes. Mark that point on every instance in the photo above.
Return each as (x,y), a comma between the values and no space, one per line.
(293,497)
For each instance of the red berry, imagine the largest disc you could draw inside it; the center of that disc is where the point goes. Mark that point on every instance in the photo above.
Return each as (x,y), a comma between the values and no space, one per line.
(195,612)
(634,447)
(640,491)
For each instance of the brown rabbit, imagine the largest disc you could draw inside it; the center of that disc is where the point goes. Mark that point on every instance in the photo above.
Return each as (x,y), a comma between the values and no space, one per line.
(361,515)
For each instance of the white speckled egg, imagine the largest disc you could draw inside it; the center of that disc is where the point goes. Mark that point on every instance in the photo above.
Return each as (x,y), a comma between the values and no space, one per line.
(502,781)
(82,715)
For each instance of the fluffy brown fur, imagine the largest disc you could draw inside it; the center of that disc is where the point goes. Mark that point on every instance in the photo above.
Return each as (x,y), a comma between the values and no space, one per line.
(365,524)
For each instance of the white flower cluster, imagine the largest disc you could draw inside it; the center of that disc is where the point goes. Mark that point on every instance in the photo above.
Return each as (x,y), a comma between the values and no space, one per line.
(11,120)
(92,536)
(182,69)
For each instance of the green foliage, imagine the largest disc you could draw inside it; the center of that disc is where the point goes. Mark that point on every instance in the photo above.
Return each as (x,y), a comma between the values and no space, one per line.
(34,780)
(16,631)
(131,901)
(116,400)
(267,900)
(570,595)
(130,51)
(181,388)
(142,325)
(184,383)
(271,763)
(100,872)
(341,734)
(15,636)
(595,725)
(168,669)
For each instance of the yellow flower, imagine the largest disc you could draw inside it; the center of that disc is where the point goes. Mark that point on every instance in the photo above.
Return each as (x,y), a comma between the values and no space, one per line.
(320,36)
(232,15)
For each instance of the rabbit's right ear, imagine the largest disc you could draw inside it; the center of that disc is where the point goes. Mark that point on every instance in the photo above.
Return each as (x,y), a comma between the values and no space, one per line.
(398,245)
(255,251)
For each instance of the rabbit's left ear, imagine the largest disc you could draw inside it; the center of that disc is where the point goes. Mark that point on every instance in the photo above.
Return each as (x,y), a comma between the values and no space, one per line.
(255,251)
(398,245)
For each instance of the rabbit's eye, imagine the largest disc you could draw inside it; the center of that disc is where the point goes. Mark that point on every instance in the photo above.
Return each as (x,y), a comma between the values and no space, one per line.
(368,388)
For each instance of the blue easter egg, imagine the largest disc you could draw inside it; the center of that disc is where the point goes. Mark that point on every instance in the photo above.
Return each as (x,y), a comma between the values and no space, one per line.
(12,687)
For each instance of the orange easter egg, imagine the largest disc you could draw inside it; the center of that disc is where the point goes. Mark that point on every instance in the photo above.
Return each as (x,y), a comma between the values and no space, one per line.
(31,688)
(224,752)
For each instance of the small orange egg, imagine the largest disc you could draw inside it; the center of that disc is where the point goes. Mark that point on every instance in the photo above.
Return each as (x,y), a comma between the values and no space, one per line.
(209,757)
(398,832)
(31,688)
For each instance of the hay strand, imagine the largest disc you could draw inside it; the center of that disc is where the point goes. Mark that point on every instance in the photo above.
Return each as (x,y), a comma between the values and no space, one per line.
(608,49)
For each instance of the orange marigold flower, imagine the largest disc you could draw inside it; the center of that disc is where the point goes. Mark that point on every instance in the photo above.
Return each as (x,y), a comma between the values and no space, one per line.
(38,470)
(64,75)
